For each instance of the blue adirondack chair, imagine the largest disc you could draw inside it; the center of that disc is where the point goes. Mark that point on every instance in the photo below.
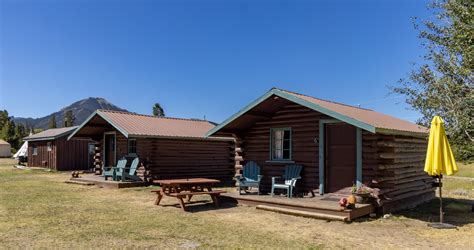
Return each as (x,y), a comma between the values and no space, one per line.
(292,174)
(112,171)
(130,175)
(250,177)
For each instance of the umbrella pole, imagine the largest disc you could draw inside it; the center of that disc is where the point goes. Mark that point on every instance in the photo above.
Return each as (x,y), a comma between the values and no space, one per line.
(441,214)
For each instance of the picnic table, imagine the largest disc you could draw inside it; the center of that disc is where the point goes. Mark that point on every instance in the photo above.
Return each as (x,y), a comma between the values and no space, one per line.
(187,188)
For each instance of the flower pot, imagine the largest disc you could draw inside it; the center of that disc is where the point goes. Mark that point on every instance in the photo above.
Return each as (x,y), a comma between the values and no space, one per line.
(362,197)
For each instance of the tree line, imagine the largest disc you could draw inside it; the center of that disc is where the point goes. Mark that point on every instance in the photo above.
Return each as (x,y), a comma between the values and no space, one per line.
(14,133)
(11,132)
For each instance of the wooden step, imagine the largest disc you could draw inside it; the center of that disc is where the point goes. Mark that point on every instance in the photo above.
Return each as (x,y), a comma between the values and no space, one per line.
(80,182)
(296,212)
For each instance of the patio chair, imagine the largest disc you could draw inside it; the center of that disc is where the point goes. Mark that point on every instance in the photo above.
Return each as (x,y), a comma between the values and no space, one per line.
(292,174)
(112,171)
(130,175)
(250,177)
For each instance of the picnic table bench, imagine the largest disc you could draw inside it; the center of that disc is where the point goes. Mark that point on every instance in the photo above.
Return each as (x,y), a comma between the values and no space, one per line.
(187,188)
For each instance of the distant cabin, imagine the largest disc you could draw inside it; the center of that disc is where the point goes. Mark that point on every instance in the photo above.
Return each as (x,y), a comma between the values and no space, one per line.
(168,148)
(51,149)
(5,149)
(338,146)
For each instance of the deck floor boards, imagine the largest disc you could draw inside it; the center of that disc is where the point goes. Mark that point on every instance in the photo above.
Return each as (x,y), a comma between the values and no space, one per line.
(320,204)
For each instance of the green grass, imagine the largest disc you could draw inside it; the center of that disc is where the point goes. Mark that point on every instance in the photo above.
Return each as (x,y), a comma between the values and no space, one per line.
(465,170)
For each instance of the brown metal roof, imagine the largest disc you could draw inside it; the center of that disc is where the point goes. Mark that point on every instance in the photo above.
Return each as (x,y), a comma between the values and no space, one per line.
(51,134)
(366,119)
(137,125)
(376,119)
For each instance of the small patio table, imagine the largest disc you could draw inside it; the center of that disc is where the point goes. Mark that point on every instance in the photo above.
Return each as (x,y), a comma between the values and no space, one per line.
(187,188)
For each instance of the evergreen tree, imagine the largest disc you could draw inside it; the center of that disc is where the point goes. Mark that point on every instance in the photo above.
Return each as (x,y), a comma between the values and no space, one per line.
(8,133)
(20,133)
(158,110)
(69,119)
(52,122)
(3,117)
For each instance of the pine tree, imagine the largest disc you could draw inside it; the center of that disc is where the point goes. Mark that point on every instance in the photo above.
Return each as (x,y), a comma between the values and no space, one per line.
(52,122)
(158,111)
(20,133)
(69,119)
(8,132)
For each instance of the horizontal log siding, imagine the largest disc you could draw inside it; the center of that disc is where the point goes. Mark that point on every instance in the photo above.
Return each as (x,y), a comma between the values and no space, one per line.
(395,164)
(182,158)
(44,158)
(304,124)
(174,158)
(72,154)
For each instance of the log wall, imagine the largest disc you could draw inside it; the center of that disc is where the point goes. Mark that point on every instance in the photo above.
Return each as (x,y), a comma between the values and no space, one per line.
(172,158)
(304,124)
(162,158)
(393,165)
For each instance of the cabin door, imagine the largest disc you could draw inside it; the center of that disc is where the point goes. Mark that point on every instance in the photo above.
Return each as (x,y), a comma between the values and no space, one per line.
(109,150)
(340,165)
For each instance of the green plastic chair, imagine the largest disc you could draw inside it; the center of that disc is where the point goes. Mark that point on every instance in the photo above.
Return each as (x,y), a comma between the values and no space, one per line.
(292,174)
(250,177)
(112,171)
(131,174)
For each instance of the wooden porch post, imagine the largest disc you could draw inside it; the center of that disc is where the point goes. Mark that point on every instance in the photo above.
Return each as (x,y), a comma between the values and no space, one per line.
(359,157)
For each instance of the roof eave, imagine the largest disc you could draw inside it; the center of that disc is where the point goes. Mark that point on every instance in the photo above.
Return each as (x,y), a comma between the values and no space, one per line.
(220,138)
(99,113)
(387,131)
(297,100)
(319,108)
(240,112)
(41,139)
(48,137)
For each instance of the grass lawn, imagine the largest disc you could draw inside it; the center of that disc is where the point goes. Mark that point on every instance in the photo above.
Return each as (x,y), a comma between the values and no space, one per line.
(38,210)
(465,170)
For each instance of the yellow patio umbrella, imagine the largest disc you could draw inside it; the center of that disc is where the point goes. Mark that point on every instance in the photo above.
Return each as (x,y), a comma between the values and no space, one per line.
(439,159)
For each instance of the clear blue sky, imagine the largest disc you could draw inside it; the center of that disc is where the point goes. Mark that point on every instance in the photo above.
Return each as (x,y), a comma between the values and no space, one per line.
(204,57)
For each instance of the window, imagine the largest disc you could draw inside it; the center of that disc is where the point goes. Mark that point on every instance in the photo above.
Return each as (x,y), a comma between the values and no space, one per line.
(132,146)
(35,150)
(280,144)
(50,147)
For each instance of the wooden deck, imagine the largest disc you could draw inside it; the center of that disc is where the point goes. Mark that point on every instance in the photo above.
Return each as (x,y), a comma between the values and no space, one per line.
(321,207)
(99,181)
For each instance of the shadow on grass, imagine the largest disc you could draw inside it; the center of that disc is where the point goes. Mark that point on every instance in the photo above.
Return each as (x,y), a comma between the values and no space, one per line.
(456,211)
(203,205)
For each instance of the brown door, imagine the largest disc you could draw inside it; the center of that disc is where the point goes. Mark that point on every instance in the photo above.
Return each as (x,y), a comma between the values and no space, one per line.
(340,155)
(109,149)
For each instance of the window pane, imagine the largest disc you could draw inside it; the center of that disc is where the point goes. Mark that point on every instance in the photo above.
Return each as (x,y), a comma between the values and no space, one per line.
(276,135)
(278,154)
(280,144)
(286,154)
(287,135)
(132,146)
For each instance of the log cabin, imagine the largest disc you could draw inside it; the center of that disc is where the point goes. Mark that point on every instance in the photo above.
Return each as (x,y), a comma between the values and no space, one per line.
(51,149)
(168,148)
(338,145)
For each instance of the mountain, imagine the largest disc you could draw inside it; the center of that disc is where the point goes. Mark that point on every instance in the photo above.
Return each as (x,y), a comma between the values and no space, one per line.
(81,110)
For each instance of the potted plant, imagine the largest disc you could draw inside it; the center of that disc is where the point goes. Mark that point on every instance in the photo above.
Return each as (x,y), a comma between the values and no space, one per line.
(362,193)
